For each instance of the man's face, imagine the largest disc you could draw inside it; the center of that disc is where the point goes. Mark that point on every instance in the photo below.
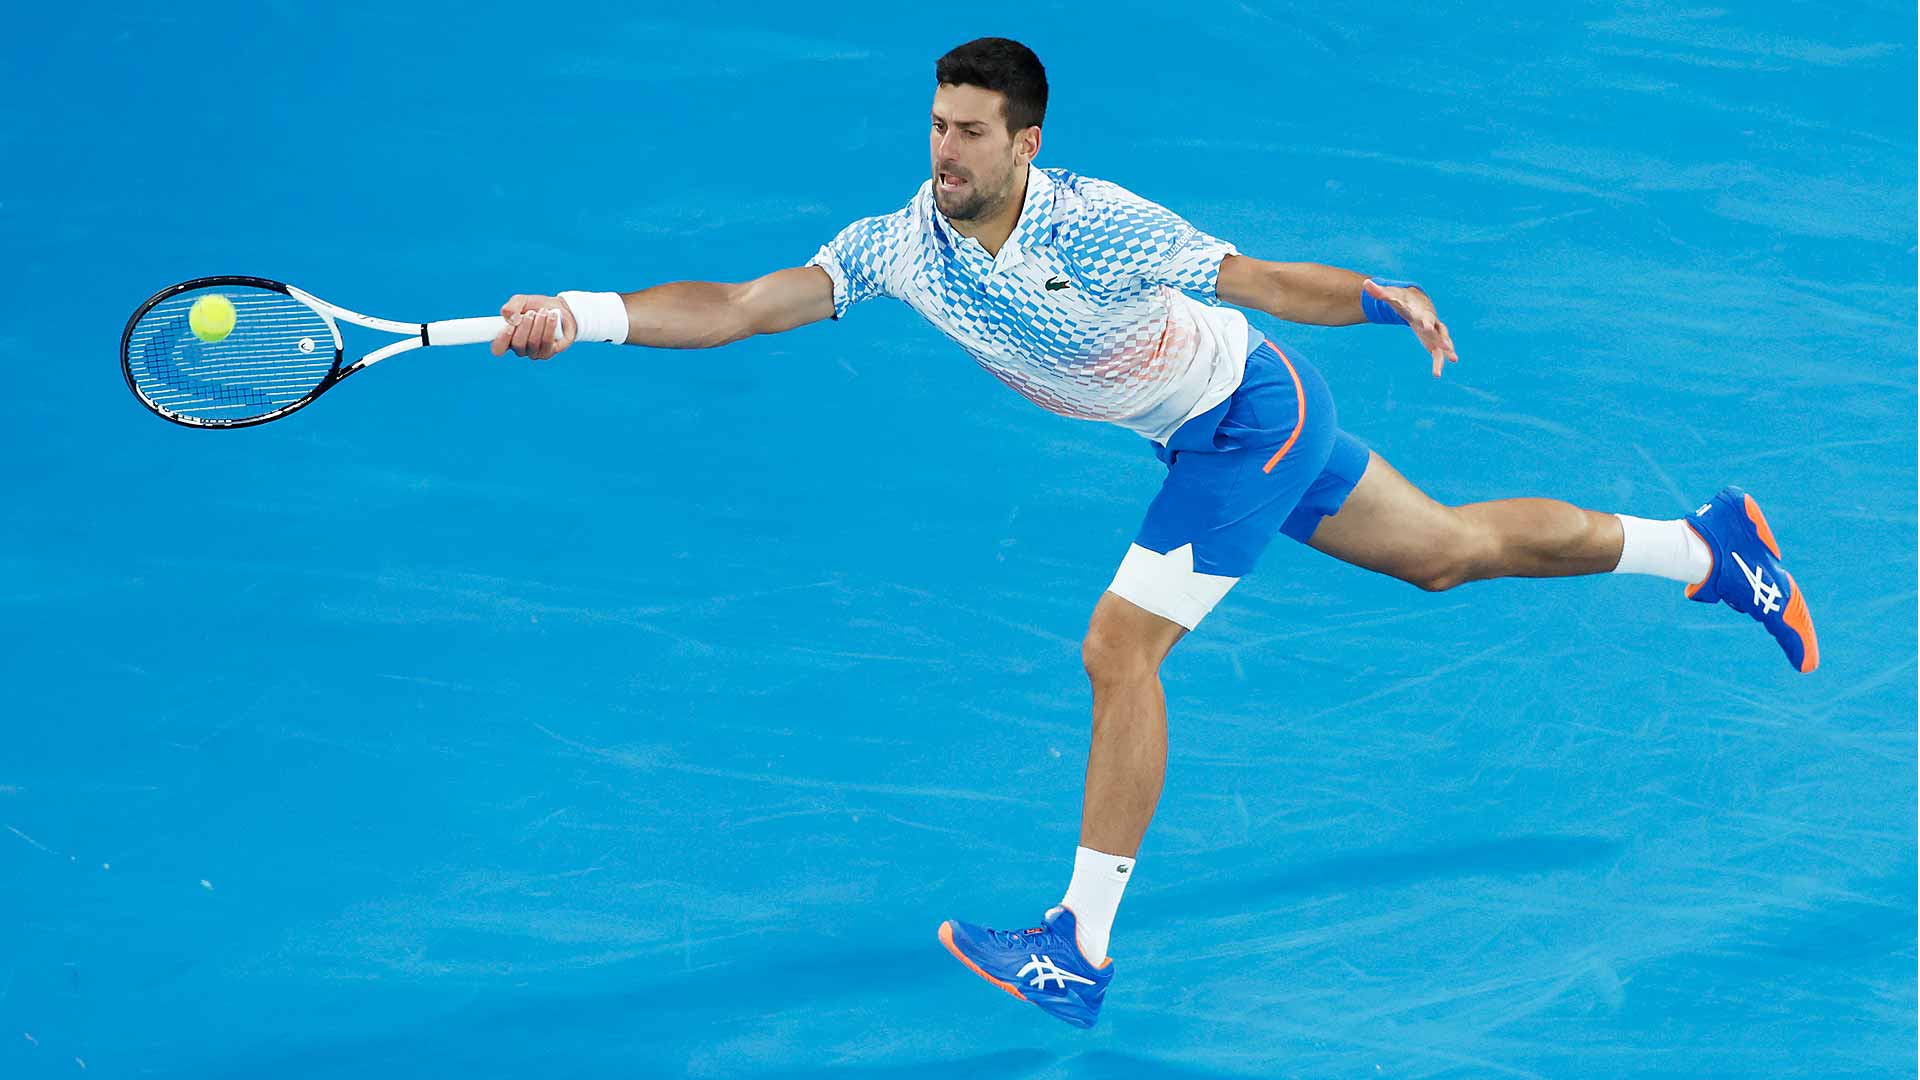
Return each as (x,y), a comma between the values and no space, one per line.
(977,163)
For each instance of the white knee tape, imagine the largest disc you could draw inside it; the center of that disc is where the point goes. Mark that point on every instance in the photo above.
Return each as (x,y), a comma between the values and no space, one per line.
(1168,585)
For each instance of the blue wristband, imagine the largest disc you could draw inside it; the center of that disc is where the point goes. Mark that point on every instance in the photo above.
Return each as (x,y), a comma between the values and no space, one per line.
(1379,311)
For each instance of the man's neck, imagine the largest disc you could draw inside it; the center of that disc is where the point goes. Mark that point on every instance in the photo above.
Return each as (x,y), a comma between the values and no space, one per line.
(992,232)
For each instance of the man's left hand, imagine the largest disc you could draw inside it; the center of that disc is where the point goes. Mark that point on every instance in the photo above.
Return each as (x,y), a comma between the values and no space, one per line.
(1414,306)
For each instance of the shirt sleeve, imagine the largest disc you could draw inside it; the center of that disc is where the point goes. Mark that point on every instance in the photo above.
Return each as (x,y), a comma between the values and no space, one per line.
(1121,240)
(864,260)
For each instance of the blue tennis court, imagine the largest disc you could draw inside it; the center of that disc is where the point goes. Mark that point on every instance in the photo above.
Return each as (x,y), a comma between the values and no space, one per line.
(642,713)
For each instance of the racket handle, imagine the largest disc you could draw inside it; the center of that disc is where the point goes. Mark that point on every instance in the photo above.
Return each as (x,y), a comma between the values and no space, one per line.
(462,331)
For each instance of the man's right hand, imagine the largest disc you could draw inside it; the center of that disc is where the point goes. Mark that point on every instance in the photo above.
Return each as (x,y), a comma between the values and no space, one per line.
(538,327)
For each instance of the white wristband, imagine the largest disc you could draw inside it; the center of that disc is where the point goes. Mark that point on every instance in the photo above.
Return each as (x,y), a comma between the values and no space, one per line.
(598,316)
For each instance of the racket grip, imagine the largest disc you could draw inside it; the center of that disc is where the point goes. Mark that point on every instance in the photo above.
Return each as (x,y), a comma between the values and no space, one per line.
(462,331)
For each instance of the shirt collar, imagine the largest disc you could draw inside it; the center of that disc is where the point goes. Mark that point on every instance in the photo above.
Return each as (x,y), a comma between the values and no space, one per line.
(1036,212)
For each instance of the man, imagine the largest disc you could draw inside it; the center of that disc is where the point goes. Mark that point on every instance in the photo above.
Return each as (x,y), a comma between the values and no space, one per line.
(1072,291)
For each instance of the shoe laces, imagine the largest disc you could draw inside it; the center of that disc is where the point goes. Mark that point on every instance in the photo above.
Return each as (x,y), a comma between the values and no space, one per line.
(1020,940)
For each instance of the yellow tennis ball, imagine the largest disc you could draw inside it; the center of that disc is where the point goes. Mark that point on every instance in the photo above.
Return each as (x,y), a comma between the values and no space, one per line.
(211,317)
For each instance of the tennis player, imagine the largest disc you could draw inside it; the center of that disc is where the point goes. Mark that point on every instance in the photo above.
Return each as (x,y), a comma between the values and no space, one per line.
(1098,304)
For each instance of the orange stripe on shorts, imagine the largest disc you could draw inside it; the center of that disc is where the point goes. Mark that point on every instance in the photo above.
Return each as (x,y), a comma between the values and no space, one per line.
(1300,396)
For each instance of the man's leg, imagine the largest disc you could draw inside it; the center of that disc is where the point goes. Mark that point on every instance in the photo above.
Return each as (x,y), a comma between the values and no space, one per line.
(1124,646)
(1392,527)
(1387,525)
(1122,653)
(1724,551)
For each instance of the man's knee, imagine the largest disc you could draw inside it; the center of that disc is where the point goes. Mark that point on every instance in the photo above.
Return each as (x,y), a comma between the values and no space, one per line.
(1439,575)
(1123,645)
(1460,554)
(1110,656)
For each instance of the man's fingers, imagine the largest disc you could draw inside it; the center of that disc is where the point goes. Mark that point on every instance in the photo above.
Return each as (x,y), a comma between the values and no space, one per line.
(533,333)
(549,332)
(503,341)
(532,317)
(539,339)
(536,327)
(1433,335)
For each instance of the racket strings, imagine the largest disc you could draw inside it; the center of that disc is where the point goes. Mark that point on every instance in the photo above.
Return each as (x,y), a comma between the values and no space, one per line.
(278,352)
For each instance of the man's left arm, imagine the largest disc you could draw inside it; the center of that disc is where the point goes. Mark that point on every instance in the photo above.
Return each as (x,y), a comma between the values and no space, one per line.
(1329,296)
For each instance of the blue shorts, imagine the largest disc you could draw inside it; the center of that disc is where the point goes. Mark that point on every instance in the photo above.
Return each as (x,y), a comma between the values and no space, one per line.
(1270,459)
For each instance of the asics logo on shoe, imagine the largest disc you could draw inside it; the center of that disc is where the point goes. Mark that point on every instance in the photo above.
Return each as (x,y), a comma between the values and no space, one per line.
(1766,595)
(1042,968)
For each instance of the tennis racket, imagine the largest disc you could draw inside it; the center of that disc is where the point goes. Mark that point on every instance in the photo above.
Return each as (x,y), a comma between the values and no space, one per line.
(283,352)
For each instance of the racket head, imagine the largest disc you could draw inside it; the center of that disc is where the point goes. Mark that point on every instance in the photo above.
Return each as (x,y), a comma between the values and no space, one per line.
(281,354)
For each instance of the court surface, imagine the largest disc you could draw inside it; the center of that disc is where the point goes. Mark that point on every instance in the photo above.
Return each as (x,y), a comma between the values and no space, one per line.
(642,714)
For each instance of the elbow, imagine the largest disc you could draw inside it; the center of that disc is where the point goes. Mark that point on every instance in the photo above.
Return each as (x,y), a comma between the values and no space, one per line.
(1252,283)
(738,319)
(1278,294)
(740,330)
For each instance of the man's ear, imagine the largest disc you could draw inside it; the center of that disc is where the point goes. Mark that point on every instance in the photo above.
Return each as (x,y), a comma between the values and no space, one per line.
(1027,143)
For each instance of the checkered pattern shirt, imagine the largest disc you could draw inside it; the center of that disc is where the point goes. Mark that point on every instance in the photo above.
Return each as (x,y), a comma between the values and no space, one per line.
(1085,309)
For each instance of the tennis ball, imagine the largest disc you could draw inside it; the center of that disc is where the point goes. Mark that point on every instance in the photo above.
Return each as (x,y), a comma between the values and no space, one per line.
(211,317)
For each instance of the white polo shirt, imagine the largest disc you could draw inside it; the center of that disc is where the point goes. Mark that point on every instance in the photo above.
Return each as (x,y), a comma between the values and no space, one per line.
(1085,310)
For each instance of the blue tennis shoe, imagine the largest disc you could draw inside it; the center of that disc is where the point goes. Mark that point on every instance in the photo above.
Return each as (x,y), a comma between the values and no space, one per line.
(1043,965)
(1747,575)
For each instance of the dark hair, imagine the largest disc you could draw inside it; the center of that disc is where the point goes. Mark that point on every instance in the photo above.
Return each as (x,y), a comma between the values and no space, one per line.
(1004,66)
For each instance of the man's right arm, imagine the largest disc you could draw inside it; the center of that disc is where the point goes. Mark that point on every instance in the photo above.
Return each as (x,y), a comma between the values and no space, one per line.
(678,315)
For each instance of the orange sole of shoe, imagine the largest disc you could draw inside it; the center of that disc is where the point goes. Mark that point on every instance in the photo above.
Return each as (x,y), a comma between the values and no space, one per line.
(1801,620)
(946,938)
(1797,616)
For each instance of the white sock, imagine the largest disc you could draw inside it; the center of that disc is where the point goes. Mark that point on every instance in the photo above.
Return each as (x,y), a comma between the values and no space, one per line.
(1094,896)
(1667,549)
